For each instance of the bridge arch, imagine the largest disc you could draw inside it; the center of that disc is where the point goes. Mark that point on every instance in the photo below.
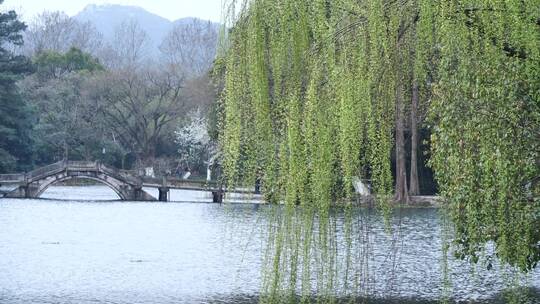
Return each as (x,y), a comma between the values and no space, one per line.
(128,185)
(50,181)
(116,185)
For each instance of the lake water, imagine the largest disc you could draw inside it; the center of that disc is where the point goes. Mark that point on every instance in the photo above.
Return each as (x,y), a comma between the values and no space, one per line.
(65,250)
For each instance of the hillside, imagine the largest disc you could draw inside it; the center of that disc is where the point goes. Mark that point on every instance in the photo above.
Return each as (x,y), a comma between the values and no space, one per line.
(107,17)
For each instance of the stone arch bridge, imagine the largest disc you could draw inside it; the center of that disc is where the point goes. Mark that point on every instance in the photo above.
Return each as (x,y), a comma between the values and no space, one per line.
(127,184)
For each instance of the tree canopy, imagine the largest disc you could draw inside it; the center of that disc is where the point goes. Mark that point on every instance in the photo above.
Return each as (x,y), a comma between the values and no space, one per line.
(319,92)
(16,124)
(52,64)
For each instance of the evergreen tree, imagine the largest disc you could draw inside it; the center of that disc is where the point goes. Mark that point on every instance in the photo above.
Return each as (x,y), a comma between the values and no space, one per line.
(66,122)
(15,116)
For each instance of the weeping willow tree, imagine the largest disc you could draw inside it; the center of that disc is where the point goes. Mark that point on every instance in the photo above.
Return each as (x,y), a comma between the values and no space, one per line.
(486,117)
(317,93)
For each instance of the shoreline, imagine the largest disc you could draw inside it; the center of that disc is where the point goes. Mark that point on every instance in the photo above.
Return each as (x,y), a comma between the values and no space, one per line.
(420,201)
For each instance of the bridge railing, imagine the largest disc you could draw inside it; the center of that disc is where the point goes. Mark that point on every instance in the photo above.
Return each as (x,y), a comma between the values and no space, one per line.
(12,178)
(130,172)
(125,175)
(179,183)
(128,176)
(60,166)
(82,165)
(49,169)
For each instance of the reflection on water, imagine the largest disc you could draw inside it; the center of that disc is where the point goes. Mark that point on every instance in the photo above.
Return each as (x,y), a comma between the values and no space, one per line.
(69,251)
(91,193)
(103,193)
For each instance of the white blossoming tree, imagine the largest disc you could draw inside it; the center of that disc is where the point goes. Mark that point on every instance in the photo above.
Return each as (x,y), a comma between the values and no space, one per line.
(194,145)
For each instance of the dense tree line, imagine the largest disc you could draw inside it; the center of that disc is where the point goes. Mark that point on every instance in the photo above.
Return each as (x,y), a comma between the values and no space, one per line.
(69,95)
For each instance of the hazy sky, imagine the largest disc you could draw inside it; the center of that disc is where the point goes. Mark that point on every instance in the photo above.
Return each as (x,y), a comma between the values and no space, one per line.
(170,9)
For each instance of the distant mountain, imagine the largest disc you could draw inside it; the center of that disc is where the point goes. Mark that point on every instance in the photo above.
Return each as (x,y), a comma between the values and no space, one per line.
(107,17)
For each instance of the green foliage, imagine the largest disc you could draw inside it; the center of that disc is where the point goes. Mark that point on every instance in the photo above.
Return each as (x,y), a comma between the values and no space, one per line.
(67,124)
(299,101)
(11,29)
(312,92)
(15,130)
(305,111)
(16,118)
(486,117)
(51,64)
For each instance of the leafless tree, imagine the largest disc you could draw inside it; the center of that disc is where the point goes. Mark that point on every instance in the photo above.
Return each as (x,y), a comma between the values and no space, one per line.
(141,108)
(131,47)
(191,46)
(200,92)
(56,31)
(87,38)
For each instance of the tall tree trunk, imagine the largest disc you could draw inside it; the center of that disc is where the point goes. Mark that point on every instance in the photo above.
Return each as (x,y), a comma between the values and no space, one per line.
(414,185)
(402,193)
